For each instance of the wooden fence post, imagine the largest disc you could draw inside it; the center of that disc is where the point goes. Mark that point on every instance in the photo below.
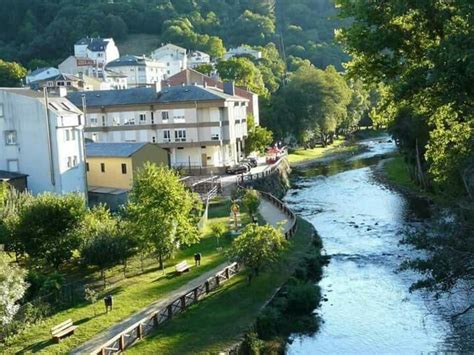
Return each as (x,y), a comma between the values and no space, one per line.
(183,302)
(227,273)
(207,287)
(122,343)
(196,295)
(140,332)
(170,311)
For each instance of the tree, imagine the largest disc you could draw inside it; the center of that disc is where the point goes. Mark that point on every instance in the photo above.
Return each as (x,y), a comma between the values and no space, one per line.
(48,226)
(218,229)
(161,211)
(251,202)
(257,247)
(244,73)
(258,138)
(12,289)
(11,74)
(91,296)
(205,69)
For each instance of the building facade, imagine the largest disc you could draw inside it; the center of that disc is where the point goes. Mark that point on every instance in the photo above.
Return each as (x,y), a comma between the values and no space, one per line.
(173,57)
(100,51)
(203,128)
(139,70)
(42,138)
(197,58)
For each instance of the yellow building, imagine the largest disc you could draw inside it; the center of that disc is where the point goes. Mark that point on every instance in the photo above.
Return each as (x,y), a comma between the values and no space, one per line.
(111,166)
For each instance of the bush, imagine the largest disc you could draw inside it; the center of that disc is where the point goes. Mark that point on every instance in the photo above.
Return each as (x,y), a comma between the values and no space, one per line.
(268,324)
(303,297)
(252,344)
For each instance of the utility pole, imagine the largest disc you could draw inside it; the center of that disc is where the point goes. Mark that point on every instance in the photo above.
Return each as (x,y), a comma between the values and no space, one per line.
(84,111)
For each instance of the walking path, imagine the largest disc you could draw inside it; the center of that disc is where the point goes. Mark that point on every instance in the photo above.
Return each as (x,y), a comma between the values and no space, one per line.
(270,213)
(273,215)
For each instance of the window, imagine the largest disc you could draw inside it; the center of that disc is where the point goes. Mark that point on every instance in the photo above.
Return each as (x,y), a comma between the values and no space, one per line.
(87,166)
(67,135)
(104,121)
(13,166)
(215,133)
(130,122)
(165,115)
(116,121)
(166,136)
(93,121)
(10,137)
(214,136)
(1,110)
(75,161)
(60,83)
(180,135)
(153,139)
(69,162)
(50,84)
(142,119)
(73,134)
(68,83)
(178,116)
(124,168)
(102,167)
(141,69)
(152,117)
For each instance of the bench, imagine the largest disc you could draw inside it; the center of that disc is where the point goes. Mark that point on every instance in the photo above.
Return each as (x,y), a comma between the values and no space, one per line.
(63,330)
(182,267)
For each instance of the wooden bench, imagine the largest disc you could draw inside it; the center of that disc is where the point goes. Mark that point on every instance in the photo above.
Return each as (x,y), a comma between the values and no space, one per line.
(182,267)
(63,330)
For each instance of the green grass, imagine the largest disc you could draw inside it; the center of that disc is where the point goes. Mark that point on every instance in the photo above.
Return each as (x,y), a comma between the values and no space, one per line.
(219,321)
(304,155)
(139,44)
(130,295)
(397,173)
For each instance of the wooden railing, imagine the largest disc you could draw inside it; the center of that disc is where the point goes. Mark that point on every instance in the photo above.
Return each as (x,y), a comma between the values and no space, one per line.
(145,326)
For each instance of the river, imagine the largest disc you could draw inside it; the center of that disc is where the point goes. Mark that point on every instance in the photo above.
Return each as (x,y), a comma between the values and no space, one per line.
(368,308)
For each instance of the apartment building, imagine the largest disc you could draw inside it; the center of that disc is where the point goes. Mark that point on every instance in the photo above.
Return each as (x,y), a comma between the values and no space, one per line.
(174,58)
(42,138)
(139,70)
(202,127)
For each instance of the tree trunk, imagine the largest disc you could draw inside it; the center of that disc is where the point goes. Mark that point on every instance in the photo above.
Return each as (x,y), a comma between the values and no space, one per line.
(420,175)
(161,263)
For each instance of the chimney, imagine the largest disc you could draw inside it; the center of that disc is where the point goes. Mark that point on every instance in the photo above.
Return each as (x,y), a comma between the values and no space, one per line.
(204,83)
(157,86)
(62,92)
(229,88)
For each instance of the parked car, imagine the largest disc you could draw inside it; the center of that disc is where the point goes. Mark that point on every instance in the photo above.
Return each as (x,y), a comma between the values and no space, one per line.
(237,169)
(250,160)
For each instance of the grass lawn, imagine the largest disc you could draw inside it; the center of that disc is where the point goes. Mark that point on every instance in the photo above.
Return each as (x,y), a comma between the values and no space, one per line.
(302,155)
(130,295)
(397,173)
(218,321)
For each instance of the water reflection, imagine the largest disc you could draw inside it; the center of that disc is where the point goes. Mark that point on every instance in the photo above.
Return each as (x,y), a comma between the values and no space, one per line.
(369,309)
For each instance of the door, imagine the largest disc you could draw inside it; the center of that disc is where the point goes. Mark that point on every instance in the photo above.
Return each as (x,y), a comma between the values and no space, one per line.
(204,160)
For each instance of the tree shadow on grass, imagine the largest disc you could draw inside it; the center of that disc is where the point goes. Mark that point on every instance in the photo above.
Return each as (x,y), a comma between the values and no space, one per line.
(37,347)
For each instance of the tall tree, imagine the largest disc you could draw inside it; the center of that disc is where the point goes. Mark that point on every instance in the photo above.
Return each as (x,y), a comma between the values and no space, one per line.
(11,74)
(161,211)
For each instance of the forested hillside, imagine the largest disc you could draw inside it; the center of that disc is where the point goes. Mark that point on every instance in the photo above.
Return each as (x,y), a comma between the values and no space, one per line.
(47,29)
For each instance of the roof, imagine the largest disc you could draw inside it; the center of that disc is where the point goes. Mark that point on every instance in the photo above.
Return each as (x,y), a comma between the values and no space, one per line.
(127,60)
(94,44)
(62,76)
(149,96)
(39,71)
(24,92)
(171,46)
(124,150)
(9,175)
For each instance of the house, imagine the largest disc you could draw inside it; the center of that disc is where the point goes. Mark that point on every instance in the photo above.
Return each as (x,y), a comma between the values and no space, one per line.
(79,66)
(67,81)
(203,128)
(242,51)
(174,58)
(139,70)
(115,80)
(41,74)
(190,77)
(100,50)
(43,138)
(111,167)
(197,58)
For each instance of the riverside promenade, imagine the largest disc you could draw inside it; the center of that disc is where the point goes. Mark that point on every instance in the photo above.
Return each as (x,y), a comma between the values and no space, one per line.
(272,215)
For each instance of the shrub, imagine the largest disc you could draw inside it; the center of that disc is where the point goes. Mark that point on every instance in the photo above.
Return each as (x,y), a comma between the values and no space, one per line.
(268,324)
(303,297)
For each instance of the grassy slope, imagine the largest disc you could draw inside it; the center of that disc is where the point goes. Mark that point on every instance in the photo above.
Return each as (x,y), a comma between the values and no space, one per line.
(397,172)
(139,44)
(218,322)
(302,155)
(130,296)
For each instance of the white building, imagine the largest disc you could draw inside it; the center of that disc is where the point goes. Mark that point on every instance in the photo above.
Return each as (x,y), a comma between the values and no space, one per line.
(79,66)
(115,80)
(41,74)
(197,58)
(45,144)
(203,128)
(100,50)
(174,58)
(139,70)
(242,51)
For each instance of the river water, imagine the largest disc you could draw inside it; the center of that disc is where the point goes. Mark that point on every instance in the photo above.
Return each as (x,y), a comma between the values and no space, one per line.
(368,308)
